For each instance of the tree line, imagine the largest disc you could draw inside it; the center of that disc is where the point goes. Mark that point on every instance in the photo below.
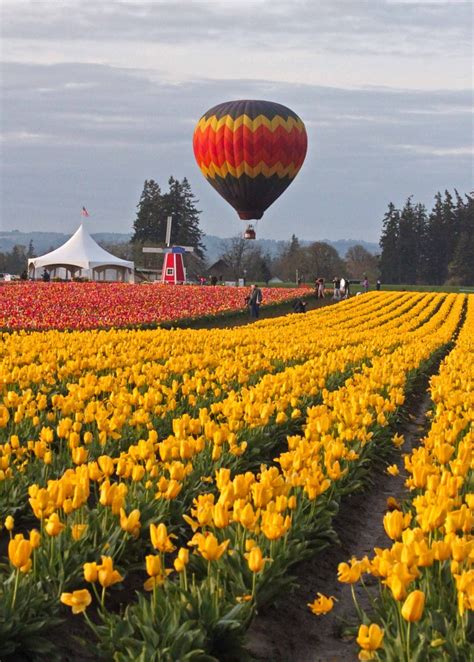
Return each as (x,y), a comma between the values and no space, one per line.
(433,248)
(239,258)
(417,246)
(16,260)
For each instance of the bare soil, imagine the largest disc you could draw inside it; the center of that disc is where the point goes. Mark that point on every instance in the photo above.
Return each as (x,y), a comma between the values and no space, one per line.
(242,317)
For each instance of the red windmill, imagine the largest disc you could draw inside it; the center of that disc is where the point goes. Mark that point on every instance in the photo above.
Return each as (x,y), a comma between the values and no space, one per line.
(173,271)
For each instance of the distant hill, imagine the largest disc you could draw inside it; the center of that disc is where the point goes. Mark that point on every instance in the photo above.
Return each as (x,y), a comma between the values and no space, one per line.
(46,241)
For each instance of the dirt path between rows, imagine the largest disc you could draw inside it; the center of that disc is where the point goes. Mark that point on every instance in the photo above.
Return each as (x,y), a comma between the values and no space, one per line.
(288,630)
(243,317)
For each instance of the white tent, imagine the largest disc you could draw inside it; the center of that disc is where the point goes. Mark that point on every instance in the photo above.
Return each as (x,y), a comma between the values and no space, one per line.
(82,256)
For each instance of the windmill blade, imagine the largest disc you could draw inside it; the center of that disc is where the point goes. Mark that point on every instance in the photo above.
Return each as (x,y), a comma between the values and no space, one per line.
(152,249)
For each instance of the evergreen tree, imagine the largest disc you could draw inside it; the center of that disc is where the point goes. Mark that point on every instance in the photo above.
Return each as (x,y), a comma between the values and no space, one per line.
(407,244)
(155,207)
(417,248)
(256,265)
(389,258)
(461,267)
(180,204)
(442,237)
(148,225)
(16,261)
(420,226)
(31,250)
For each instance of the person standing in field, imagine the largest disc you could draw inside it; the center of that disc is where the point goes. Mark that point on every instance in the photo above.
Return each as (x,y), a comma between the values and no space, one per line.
(320,288)
(255,301)
(342,288)
(365,283)
(378,285)
(336,284)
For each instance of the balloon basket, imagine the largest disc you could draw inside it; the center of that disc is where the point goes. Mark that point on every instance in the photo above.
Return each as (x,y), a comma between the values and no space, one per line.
(250,232)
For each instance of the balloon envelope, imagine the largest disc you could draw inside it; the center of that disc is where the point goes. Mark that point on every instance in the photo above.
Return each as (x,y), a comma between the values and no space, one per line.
(250,152)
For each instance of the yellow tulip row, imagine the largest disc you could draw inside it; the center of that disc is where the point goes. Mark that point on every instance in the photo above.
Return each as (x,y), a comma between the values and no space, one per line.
(335,433)
(428,571)
(51,357)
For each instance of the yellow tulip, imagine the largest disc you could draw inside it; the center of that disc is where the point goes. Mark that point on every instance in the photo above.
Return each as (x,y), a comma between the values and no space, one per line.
(35,538)
(90,572)
(106,574)
(19,553)
(106,465)
(370,637)
(130,524)
(322,604)
(181,560)
(461,548)
(160,538)
(79,455)
(441,550)
(398,440)
(412,609)
(221,516)
(153,565)
(347,574)
(9,523)
(78,530)
(209,547)
(394,522)
(54,525)
(397,586)
(78,600)
(247,517)
(255,559)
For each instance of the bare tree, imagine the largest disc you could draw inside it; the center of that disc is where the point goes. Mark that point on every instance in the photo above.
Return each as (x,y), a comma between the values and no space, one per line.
(321,260)
(360,262)
(234,252)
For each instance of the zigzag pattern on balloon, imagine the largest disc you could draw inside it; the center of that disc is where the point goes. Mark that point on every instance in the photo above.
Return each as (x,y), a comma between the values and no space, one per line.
(244,168)
(252,148)
(253,124)
(234,147)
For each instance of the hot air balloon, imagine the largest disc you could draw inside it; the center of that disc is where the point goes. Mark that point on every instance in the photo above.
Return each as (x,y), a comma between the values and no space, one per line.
(250,152)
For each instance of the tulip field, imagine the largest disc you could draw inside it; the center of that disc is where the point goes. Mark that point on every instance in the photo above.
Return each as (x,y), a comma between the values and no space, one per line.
(75,305)
(158,486)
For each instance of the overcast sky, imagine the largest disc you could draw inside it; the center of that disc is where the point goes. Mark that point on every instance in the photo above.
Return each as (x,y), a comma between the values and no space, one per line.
(99,95)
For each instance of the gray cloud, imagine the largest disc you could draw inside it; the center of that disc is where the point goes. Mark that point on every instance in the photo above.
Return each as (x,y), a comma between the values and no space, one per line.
(357,26)
(77,134)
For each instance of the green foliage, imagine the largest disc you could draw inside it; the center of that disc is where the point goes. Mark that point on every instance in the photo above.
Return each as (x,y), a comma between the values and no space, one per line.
(27,618)
(422,248)
(154,208)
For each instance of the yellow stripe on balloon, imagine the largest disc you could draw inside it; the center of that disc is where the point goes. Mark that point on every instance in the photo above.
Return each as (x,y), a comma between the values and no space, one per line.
(244,168)
(252,124)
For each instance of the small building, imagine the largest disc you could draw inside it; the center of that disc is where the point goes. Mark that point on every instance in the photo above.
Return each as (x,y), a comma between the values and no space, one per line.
(82,257)
(221,270)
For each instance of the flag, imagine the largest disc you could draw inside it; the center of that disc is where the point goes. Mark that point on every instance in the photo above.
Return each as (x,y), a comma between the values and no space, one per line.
(84,212)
